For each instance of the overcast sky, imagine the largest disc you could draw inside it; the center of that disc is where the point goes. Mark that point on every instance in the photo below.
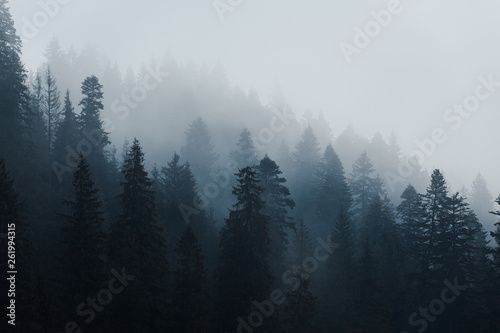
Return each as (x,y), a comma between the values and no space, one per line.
(428,57)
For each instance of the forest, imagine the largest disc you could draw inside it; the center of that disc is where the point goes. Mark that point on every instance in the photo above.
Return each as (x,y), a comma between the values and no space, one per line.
(219,213)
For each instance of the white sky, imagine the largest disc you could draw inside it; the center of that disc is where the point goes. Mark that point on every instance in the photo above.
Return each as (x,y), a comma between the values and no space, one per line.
(426,59)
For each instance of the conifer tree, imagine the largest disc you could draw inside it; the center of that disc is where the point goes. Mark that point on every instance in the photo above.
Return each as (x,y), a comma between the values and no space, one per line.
(305,161)
(332,191)
(302,244)
(413,226)
(16,251)
(341,275)
(138,246)
(436,202)
(300,308)
(362,184)
(245,154)
(67,135)
(199,151)
(12,85)
(52,105)
(190,287)
(278,202)
(83,250)
(244,274)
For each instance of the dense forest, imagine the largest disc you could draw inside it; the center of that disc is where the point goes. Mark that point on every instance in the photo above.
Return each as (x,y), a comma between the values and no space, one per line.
(226,215)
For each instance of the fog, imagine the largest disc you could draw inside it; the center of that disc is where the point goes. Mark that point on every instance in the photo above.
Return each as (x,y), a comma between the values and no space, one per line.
(250,166)
(426,59)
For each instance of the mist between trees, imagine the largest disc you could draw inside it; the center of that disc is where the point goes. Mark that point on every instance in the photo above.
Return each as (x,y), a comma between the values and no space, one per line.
(212,208)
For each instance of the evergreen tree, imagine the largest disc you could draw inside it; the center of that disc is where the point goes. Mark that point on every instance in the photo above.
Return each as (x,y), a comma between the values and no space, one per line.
(302,244)
(178,197)
(82,254)
(305,161)
(67,135)
(481,201)
(300,308)
(14,236)
(12,85)
(244,274)
(413,226)
(52,105)
(278,202)
(245,154)
(199,151)
(94,138)
(332,191)
(138,245)
(362,183)
(180,204)
(190,288)
(436,202)
(341,275)
(369,301)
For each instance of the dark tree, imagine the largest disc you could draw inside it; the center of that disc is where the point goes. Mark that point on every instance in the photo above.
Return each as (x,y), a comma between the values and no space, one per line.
(51,106)
(363,185)
(199,151)
(190,287)
(278,202)
(341,275)
(13,89)
(244,274)
(300,308)
(82,256)
(67,136)
(138,246)
(332,191)
(305,161)
(16,251)
(245,154)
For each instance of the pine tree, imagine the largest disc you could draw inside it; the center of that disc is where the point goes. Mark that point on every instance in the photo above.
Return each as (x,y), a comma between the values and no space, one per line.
(300,308)
(190,287)
(180,204)
(244,274)
(52,105)
(278,202)
(332,191)
(481,201)
(245,154)
(138,245)
(362,184)
(369,301)
(436,202)
(89,119)
(199,151)
(12,85)
(380,226)
(67,135)
(341,275)
(302,244)
(305,161)
(413,226)
(83,250)
(14,236)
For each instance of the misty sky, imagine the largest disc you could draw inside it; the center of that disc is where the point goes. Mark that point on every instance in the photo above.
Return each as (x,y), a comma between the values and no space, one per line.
(428,58)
